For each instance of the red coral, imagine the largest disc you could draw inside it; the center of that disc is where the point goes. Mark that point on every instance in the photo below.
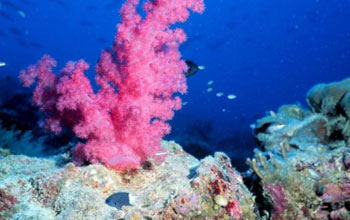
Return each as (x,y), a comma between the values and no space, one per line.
(217,187)
(233,208)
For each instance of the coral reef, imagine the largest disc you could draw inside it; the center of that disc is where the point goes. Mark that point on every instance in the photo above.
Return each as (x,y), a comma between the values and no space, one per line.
(302,171)
(303,167)
(180,188)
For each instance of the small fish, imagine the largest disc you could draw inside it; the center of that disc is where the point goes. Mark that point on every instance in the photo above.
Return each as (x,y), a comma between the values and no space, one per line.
(192,68)
(209,89)
(231,96)
(118,200)
(252,126)
(273,114)
(210,82)
(223,110)
(219,94)
(21,13)
(2,64)
(159,153)
(184,103)
(275,127)
(201,67)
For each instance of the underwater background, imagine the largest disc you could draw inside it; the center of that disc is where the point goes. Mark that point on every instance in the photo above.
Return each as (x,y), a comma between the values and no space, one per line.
(265,53)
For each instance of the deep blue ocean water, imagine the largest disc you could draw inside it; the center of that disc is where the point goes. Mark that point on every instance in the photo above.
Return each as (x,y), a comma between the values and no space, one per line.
(266,52)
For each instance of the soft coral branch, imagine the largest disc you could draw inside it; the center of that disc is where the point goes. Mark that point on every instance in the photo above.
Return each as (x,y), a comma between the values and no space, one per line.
(124,122)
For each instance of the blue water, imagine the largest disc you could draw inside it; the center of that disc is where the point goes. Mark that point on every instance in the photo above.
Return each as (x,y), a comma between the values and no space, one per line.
(267,53)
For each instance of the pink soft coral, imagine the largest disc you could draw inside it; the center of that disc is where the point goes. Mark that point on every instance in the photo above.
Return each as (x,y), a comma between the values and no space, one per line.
(124,122)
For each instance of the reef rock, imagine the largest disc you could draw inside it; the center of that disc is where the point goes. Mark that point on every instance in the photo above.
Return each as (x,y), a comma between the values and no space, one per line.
(181,187)
(303,165)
